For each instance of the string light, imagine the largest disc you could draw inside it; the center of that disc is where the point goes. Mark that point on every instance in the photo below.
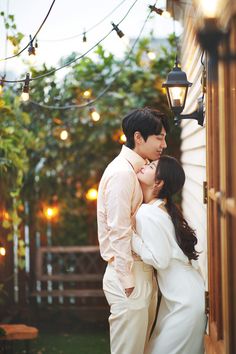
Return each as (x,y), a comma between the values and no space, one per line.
(2,250)
(64,134)
(25,90)
(92,194)
(32,52)
(51,212)
(84,37)
(87,94)
(122,139)
(94,114)
(151,55)
(2,84)
(166,14)
(160,12)
(75,59)
(104,91)
(88,30)
(118,31)
(40,27)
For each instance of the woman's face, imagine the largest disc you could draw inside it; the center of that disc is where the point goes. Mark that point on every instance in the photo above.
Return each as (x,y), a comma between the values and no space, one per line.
(146,175)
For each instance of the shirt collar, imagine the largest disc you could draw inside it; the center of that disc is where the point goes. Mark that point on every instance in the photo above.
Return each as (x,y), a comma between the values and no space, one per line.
(133,158)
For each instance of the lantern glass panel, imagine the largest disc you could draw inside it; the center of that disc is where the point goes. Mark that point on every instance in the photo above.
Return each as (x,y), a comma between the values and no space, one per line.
(177,96)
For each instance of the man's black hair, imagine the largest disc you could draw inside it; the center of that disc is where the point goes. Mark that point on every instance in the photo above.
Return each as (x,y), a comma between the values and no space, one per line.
(147,121)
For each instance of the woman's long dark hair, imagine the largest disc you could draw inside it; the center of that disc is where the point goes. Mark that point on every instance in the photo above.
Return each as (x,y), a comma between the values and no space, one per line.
(172,174)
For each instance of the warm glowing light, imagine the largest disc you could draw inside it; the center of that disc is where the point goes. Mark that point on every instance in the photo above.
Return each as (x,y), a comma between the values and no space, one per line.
(32,59)
(64,135)
(87,94)
(25,96)
(92,194)
(166,14)
(176,91)
(126,42)
(177,94)
(123,138)
(51,212)
(151,55)
(209,8)
(2,250)
(95,116)
(25,90)
(5,215)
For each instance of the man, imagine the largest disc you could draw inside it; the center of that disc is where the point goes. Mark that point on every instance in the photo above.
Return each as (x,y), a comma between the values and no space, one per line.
(128,283)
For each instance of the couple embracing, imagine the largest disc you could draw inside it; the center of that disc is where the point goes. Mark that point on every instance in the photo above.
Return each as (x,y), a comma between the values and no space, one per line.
(145,240)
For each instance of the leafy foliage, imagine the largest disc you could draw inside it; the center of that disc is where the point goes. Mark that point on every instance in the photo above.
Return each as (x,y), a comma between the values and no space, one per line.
(14,37)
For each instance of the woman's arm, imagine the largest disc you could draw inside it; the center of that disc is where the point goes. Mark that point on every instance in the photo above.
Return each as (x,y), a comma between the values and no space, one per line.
(152,245)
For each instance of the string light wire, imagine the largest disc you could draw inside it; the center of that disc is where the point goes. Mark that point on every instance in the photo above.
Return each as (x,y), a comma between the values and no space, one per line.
(88,30)
(39,29)
(103,92)
(75,59)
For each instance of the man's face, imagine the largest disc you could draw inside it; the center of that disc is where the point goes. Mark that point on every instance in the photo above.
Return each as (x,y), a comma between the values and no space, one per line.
(152,148)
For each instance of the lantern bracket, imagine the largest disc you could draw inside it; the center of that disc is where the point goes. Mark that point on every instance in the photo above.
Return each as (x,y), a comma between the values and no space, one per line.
(198,114)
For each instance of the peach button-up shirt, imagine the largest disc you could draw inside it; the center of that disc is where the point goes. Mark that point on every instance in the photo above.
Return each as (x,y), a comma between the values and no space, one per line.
(119,197)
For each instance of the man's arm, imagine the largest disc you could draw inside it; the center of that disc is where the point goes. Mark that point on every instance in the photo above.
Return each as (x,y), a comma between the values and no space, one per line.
(118,198)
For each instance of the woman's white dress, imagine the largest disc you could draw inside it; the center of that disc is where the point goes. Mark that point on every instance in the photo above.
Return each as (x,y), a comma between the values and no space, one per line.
(181,318)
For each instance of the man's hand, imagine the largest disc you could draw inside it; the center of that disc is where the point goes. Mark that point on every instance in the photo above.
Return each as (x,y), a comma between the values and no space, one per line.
(128,291)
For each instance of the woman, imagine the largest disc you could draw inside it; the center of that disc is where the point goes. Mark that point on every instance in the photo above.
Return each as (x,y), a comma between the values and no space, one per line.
(165,240)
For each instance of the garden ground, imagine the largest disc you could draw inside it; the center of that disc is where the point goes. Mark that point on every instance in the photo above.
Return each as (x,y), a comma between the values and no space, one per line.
(82,342)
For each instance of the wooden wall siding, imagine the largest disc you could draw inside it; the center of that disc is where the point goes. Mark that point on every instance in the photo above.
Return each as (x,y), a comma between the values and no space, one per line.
(193,136)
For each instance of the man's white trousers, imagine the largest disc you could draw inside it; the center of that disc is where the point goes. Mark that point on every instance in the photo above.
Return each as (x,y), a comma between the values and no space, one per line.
(131,317)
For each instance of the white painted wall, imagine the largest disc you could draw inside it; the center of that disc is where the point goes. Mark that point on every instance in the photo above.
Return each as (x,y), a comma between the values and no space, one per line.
(193,144)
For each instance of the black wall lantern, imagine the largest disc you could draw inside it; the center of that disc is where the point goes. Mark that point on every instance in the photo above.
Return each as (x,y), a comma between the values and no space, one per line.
(176,87)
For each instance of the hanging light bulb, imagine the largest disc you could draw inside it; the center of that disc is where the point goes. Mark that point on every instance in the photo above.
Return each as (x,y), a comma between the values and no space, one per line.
(210,8)
(84,37)
(122,139)
(84,45)
(87,94)
(50,212)
(94,114)
(32,52)
(64,134)
(2,84)
(92,194)
(160,12)
(151,55)
(166,14)
(2,250)
(118,31)
(156,9)
(25,90)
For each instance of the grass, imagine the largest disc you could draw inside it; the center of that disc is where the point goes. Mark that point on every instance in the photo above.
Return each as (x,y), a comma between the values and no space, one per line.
(67,343)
